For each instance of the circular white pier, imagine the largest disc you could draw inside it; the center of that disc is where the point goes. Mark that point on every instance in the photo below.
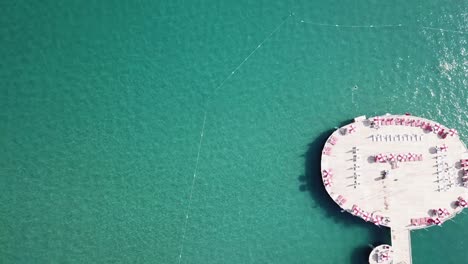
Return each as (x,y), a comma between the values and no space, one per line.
(399,171)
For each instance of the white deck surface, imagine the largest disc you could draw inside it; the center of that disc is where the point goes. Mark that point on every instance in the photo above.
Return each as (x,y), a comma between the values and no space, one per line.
(410,190)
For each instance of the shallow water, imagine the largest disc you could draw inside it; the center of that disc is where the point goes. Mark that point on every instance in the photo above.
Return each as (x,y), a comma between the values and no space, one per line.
(103,104)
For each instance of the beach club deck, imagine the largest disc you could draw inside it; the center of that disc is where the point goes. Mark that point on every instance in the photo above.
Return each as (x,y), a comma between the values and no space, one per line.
(399,171)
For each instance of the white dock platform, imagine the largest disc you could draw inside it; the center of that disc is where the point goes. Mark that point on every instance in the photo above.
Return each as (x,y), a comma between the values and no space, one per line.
(423,175)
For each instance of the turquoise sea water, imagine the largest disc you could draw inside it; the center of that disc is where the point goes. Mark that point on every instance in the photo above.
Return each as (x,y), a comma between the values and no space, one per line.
(102,104)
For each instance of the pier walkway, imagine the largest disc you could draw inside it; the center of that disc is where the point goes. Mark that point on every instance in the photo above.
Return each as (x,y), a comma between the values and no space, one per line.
(401,245)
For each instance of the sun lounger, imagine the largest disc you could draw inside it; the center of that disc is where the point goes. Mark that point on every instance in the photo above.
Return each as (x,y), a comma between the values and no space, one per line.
(425,221)
(343,201)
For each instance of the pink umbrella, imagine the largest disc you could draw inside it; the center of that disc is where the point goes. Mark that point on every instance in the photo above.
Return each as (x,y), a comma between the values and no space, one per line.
(453,132)
(428,127)
(400,157)
(355,210)
(463,203)
(437,221)
(440,212)
(384,158)
(378,119)
(379,158)
(333,140)
(391,157)
(327,173)
(436,127)
(446,212)
(365,215)
(377,219)
(352,129)
(443,148)
(410,157)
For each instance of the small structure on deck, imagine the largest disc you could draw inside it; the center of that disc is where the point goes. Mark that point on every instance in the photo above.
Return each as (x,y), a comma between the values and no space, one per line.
(399,171)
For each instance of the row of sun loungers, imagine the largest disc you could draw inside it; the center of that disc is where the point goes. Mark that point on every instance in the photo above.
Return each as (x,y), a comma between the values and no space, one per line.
(438,215)
(396,138)
(356,167)
(464,168)
(420,221)
(428,126)
(445,176)
(382,158)
(374,218)
(382,121)
(327,176)
(327,150)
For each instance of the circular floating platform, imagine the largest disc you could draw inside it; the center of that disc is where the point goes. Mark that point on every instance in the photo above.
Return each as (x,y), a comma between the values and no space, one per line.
(399,171)
(382,254)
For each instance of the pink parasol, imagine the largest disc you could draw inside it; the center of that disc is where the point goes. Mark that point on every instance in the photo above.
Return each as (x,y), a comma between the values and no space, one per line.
(428,127)
(400,157)
(462,202)
(327,173)
(410,157)
(443,148)
(453,132)
(391,157)
(384,256)
(365,215)
(440,212)
(377,219)
(355,210)
(352,129)
(446,212)
(377,119)
(379,158)
(437,127)
(384,158)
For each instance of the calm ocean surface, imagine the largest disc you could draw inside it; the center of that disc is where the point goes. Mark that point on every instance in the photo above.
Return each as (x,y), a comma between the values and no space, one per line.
(102,104)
